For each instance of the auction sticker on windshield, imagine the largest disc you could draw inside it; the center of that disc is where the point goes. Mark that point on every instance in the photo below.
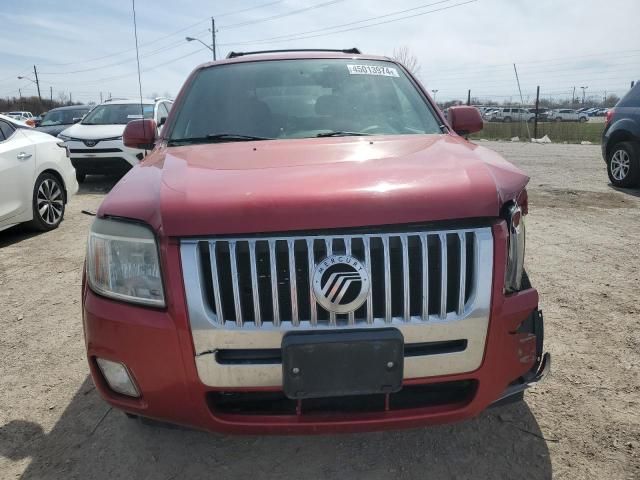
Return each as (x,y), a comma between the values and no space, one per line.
(372,70)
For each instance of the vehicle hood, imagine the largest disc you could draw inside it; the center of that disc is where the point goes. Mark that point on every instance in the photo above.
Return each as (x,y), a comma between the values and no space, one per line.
(93,132)
(308,184)
(52,129)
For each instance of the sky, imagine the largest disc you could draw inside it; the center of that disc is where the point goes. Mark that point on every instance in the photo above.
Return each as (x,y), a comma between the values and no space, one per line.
(87,48)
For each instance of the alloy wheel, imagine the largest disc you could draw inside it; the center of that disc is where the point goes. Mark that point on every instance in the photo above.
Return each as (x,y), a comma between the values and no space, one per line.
(50,201)
(620,165)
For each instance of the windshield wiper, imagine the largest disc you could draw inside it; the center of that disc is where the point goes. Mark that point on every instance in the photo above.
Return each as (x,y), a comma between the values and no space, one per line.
(340,133)
(218,138)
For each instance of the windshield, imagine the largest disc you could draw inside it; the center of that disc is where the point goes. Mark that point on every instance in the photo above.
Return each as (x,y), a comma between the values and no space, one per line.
(117,114)
(61,117)
(302,98)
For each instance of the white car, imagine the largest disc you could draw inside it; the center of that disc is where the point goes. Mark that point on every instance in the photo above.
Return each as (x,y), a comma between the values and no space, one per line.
(24,116)
(36,177)
(510,114)
(568,115)
(95,143)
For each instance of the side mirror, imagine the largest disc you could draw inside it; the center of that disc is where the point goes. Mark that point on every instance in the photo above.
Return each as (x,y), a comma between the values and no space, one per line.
(465,120)
(162,121)
(76,119)
(140,134)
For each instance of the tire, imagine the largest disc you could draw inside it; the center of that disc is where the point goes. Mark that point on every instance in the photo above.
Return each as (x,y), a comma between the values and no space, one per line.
(623,165)
(81,177)
(507,119)
(582,119)
(558,119)
(48,198)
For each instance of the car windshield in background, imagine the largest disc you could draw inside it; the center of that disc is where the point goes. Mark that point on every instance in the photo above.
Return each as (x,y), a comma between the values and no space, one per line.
(117,114)
(301,99)
(62,117)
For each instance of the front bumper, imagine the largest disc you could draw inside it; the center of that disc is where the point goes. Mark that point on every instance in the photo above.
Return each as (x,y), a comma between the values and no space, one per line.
(157,347)
(105,157)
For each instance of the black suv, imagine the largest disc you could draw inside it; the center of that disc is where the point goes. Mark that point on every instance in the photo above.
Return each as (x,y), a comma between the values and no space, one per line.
(621,140)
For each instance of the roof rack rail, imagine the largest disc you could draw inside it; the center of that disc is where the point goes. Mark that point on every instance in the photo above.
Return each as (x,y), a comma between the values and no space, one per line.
(353,51)
(111,99)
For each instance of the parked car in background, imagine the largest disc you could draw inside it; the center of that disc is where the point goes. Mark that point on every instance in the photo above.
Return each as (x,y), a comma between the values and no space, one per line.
(36,177)
(293,258)
(511,114)
(96,144)
(543,114)
(568,115)
(621,140)
(24,116)
(59,119)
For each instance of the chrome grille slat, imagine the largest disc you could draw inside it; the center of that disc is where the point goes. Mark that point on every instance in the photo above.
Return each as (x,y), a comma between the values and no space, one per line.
(406,298)
(425,277)
(462,276)
(254,283)
(274,282)
(367,260)
(443,275)
(387,279)
(351,316)
(235,281)
(214,276)
(312,299)
(401,268)
(293,286)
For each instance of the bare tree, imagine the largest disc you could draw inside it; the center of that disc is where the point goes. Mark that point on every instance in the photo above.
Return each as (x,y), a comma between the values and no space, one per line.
(408,59)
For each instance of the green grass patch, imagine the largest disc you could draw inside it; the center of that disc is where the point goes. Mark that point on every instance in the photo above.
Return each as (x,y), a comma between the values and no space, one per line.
(558,132)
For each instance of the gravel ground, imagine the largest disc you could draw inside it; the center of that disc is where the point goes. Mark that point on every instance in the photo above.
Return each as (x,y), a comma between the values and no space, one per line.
(582,423)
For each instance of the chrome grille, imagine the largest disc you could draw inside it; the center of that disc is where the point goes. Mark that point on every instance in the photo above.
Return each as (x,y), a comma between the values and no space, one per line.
(265,282)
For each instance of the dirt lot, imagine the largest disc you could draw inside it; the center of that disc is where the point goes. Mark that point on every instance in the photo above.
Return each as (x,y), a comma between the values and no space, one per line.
(583,423)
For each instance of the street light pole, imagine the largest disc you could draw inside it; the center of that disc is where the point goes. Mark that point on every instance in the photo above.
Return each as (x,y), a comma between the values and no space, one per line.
(192,39)
(434,95)
(583,89)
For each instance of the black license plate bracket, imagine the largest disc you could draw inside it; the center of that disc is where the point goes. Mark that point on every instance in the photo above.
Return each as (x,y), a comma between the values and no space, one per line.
(339,363)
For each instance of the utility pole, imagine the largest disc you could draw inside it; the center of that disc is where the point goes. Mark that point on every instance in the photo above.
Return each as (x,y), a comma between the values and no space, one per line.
(70,99)
(51,94)
(469,97)
(213,37)
(35,72)
(535,121)
(100,97)
(20,95)
(573,96)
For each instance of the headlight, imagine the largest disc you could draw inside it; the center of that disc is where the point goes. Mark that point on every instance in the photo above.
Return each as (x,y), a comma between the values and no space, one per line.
(515,248)
(64,138)
(122,262)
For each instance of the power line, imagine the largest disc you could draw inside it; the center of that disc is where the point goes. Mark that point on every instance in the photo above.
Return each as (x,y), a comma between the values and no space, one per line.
(280,15)
(391,14)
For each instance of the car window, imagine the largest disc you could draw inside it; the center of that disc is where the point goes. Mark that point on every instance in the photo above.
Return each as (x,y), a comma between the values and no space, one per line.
(7,130)
(303,98)
(117,113)
(61,117)
(162,111)
(632,98)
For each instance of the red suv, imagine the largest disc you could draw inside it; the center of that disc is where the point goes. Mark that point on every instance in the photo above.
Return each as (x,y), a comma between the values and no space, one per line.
(311,247)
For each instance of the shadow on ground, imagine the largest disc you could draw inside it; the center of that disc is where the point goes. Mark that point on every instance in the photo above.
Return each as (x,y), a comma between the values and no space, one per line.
(98,184)
(92,441)
(634,192)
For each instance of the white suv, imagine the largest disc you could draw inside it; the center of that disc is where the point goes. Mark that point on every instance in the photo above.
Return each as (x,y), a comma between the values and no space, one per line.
(510,114)
(96,144)
(568,115)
